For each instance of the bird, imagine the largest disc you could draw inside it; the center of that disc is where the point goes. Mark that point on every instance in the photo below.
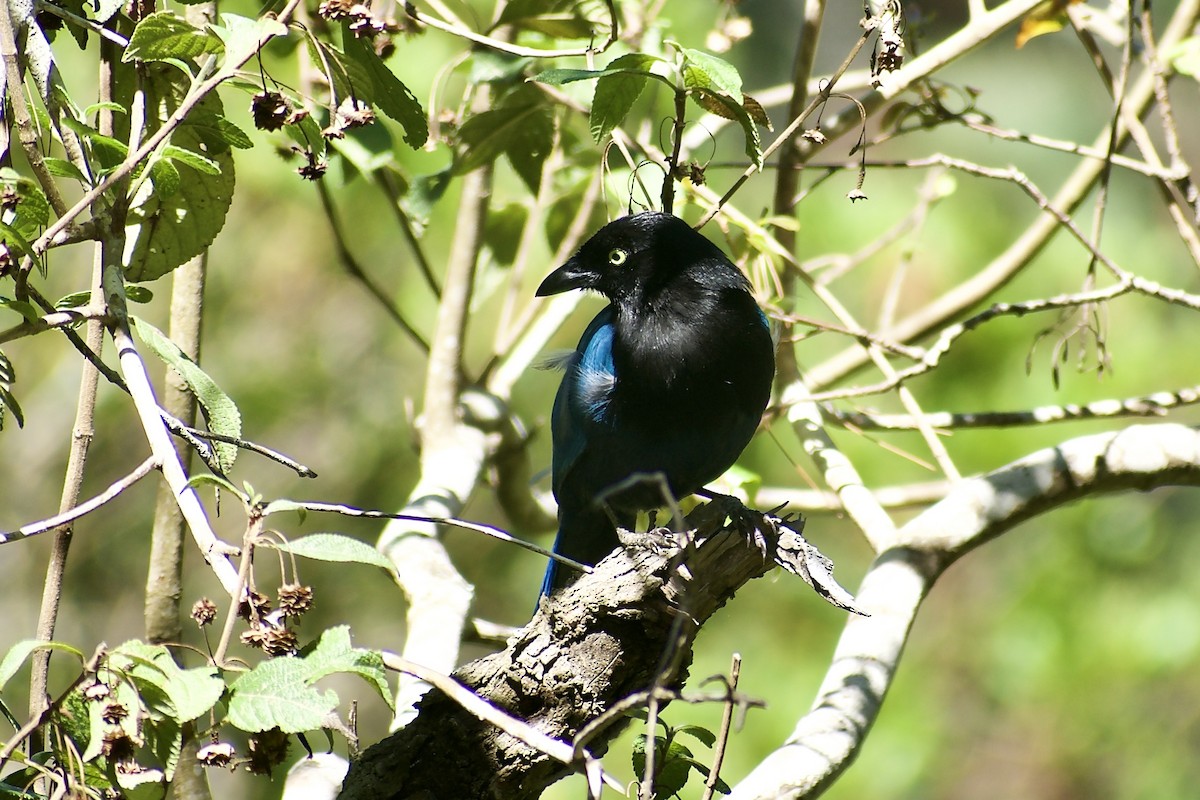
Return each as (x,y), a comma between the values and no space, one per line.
(670,378)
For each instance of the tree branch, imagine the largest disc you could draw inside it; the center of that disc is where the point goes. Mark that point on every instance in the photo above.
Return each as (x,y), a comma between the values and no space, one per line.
(827,739)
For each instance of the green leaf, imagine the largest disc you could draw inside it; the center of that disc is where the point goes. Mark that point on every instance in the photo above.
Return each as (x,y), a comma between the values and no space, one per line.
(329,546)
(26,310)
(616,91)
(502,231)
(61,168)
(189,693)
(166,35)
(702,734)
(138,294)
(165,231)
(277,694)
(165,177)
(203,478)
(1184,57)
(19,652)
(522,129)
(73,300)
(216,133)
(95,108)
(555,18)
(30,211)
(712,101)
(243,36)
(192,159)
(334,654)
(704,71)
(387,92)
(219,410)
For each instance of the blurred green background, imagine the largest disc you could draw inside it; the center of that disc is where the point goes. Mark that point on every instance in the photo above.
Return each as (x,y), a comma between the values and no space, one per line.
(1058,662)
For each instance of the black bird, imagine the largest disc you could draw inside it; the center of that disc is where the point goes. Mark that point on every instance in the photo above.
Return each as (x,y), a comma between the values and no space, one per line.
(672,377)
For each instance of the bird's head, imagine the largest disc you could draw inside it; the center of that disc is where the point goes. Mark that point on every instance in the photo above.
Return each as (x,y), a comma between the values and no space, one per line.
(629,255)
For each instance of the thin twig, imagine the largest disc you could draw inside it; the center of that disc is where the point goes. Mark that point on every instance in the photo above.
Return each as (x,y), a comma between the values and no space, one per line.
(507,47)
(731,683)
(81,509)
(477,527)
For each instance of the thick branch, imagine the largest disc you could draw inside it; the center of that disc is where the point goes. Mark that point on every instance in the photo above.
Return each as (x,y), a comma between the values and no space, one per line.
(593,644)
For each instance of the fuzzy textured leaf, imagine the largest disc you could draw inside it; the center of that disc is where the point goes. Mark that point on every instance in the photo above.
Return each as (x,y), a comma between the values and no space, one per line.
(219,410)
(166,35)
(165,231)
(617,90)
(332,547)
(390,95)
(704,71)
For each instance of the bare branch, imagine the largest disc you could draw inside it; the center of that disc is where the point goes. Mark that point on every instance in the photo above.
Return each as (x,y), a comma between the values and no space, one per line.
(86,507)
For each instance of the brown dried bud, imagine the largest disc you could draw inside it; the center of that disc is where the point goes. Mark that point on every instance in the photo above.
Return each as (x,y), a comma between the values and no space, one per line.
(294,599)
(255,638)
(267,750)
(254,605)
(204,612)
(279,642)
(271,110)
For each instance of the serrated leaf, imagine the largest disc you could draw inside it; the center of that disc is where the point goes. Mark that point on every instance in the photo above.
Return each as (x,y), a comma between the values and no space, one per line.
(243,36)
(704,71)
(219,410)
(166,35)
(30,210)
(710,101)
(164,232)
(331,547)
(61,168)
(190,693)
(165,177)
(334,654)
(698,732)
(277,694)
(218,134)
(616,92)
(522,129)
(555,18)
(388,93)
(192,159)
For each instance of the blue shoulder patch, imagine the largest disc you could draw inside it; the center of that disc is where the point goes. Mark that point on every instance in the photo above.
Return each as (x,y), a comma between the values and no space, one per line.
(583,395)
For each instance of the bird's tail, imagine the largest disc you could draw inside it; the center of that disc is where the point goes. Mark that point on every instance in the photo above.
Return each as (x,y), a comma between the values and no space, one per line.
(585,535)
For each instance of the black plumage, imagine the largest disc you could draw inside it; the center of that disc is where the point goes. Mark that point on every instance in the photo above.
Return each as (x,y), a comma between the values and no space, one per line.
(672,377)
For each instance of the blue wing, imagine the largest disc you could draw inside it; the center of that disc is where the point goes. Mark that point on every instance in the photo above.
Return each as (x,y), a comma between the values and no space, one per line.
(583,395)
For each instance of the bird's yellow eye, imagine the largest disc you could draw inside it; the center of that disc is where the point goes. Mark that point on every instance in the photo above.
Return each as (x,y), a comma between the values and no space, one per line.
(617,256)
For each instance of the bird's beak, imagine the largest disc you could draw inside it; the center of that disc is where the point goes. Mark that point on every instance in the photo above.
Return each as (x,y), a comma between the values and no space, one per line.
(571,275)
